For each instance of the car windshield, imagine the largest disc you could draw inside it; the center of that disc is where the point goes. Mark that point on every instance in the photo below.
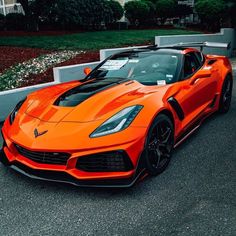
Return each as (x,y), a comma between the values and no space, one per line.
(148,68)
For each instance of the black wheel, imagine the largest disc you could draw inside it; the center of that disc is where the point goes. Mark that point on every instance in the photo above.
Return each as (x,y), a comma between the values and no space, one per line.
(159,145)
(226,95)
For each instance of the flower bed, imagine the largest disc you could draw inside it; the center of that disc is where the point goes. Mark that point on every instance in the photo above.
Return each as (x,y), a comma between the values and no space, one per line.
(16,75)
(47,76)
(13,55)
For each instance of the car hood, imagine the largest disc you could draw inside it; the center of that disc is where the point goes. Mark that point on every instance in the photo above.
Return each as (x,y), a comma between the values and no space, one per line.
(86,102)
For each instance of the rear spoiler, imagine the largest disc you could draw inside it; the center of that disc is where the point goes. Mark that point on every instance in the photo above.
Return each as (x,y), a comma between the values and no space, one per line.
(202,45)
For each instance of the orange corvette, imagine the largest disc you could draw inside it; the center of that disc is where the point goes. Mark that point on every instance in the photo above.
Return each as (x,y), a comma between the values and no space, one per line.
(121,121)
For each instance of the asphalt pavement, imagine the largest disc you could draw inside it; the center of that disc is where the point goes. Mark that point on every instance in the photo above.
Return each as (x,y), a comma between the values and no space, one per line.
(196,195)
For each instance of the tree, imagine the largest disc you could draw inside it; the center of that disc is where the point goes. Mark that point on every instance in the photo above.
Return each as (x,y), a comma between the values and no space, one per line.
(165,9)
(211,12)
(15,21)
(69,14)
(116,10)
(2,21)
(137,12)
(152,14)
(94,13)
(62,14)
(25,6)
(231,12)
(33,9)
(182,10)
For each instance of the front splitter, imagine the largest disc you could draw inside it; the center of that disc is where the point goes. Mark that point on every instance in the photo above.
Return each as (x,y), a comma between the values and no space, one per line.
(63,177)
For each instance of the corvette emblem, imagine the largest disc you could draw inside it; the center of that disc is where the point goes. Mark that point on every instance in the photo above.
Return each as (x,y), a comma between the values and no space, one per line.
(37,134)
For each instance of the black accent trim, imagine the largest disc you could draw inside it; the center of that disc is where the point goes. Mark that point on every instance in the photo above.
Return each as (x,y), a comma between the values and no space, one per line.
(63,177)
(211,62)
(53,158)
(175,105)
(3,157)
(113,161)
(79,94)
(60,176)
(196,122)
(187,131)
(213,101)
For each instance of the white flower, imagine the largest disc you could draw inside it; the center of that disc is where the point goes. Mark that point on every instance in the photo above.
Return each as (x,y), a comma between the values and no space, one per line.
(15,75)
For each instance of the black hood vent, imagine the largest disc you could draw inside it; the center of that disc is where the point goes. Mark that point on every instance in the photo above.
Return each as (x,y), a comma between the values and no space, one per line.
(77,95)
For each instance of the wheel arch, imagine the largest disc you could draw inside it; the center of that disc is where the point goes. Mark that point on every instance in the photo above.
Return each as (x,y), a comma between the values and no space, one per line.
(141,161)
(230,74)
(169,114)
(224,76)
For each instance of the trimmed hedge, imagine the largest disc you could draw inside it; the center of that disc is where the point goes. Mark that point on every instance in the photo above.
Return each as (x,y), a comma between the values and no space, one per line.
(2,22)
(74,14)
(15,21)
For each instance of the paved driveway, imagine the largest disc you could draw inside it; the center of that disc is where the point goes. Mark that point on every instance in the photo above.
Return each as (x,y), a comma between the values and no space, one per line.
(195,196)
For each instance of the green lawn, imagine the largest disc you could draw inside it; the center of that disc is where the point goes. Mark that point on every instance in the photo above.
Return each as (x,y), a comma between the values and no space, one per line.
(90,40)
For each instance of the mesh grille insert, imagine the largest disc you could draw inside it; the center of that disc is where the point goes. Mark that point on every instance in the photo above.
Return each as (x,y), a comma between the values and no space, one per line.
(105,162)
(55,158)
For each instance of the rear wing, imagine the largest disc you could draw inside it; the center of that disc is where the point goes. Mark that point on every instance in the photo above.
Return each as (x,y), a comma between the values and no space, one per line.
(202,45)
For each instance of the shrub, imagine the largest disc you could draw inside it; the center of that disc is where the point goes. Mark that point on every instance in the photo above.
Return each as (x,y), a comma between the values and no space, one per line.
(15,21)
(152,13)
(116,10)
(137,12)
(94,13)
(70,14)
(165,9)
(182,11)
(231,11)
(211,12)
(2,22)
(63,14)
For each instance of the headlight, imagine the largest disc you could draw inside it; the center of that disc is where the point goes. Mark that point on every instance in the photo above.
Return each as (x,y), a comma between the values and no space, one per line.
(15,111)
(118,122)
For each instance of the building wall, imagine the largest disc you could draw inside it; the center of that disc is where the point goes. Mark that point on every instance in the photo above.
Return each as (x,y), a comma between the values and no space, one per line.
(10,6)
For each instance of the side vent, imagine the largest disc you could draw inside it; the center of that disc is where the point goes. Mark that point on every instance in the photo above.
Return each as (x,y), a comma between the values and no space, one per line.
(175,105)
(211,62)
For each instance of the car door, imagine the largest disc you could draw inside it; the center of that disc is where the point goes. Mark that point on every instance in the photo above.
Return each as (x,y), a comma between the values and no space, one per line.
(195,93)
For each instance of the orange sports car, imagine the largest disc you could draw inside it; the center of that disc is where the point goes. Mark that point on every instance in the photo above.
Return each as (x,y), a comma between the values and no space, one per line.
(122,121)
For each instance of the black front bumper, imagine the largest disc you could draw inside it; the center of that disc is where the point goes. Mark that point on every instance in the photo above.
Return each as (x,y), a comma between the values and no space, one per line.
(62,177)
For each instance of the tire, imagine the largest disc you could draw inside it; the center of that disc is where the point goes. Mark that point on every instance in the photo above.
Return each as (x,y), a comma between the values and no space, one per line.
(226,95)
(159,145)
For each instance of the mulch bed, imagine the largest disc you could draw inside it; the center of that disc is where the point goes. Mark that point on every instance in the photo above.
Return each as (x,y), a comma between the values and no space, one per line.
(10,56)
(48,75)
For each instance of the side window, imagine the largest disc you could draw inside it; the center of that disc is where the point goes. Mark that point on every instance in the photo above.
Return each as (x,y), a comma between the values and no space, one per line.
(200,57)
(191,64)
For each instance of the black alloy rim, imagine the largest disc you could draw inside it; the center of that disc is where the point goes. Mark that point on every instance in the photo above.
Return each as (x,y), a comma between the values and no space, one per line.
(160,145)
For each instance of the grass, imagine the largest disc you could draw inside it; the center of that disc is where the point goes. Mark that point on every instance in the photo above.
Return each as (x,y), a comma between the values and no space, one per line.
(90,40)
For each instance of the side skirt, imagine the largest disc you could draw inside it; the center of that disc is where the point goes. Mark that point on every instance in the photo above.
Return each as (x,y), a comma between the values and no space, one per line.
(192,128)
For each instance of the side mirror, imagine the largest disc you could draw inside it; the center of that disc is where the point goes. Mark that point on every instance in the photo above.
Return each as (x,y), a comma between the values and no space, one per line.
(201,74)
(87,70)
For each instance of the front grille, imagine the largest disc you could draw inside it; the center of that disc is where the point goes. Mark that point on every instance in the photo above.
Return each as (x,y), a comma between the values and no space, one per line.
(105,162)
(55,158)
